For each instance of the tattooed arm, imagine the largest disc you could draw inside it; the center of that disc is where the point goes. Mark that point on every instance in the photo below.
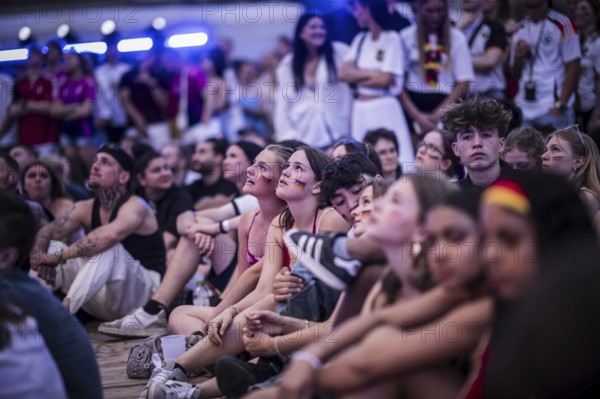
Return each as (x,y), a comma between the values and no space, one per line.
(65,225)
(132,215)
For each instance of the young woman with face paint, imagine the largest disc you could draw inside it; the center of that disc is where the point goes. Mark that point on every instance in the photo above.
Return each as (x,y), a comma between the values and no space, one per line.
(401,210)
(539,251)
(574,155)
(299,187)
(262,179)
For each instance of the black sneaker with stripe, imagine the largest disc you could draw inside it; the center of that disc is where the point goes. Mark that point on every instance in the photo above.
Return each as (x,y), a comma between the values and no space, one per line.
(317,253)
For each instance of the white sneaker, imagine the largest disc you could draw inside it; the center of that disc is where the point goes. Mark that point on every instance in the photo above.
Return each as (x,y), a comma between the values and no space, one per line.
(162,373)
(173,390)
(137,324)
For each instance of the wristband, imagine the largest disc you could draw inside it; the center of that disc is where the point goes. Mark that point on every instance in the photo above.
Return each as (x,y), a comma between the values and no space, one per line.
(224,226)
(313,361)
(277,348)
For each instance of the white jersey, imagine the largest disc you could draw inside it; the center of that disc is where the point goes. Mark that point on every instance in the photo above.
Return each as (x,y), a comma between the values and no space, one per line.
(459,69)
(382,55)
(590,73)
(320,115)
(559,45)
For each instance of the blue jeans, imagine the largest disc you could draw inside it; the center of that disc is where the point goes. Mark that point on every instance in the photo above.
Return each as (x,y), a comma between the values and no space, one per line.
(555,121)
(315,302)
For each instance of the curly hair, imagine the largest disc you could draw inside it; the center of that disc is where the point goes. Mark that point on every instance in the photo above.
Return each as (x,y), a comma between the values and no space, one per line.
(476,113)
(528,140)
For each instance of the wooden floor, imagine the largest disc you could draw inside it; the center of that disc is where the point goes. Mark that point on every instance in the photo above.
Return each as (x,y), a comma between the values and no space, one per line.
(112,353)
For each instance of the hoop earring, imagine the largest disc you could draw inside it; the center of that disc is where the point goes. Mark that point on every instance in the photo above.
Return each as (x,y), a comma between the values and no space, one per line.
(416,248)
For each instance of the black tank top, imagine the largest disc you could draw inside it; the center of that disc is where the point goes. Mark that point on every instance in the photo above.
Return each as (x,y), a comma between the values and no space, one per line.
(148,250)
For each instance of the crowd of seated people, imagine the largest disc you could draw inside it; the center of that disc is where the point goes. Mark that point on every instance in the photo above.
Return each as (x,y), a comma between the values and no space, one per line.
(383,245)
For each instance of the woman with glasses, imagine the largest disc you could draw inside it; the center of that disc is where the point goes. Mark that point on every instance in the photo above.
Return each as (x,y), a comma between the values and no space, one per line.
(375,66)
(311,103)
(434,153)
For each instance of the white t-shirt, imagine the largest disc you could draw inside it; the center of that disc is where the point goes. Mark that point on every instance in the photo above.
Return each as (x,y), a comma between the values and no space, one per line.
(460,68)
(28,370)
(244,203)
(558,46)
(108,105)
(319,116)
(382,55)
(6,85)
(590,73)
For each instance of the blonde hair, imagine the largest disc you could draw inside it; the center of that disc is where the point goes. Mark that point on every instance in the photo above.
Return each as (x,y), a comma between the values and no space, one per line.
(582,145)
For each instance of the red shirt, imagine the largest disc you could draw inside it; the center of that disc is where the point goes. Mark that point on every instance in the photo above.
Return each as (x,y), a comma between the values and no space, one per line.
(34,129)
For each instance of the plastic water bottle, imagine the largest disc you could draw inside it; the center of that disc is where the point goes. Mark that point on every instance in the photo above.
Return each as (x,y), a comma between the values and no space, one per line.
(202,294)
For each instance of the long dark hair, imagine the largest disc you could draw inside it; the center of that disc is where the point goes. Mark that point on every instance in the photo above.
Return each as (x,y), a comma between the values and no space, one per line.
(555,323)
(301,53)
(379,11)
(317,160)
(57,189)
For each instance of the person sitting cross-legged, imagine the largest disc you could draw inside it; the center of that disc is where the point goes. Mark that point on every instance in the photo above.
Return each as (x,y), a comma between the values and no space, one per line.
(118,265)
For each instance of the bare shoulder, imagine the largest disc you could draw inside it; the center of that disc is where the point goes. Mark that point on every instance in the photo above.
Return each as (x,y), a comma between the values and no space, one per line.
(136,204)
(590,199)
(246,219)
(330,220)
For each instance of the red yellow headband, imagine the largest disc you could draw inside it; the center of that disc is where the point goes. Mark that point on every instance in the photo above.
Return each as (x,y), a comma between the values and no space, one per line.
(508,194)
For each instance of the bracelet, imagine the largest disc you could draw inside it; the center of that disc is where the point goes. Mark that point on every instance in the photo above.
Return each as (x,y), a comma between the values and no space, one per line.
(237,312)
(224,226)
(277,348)
(306,324)
(60,257)
(313,361)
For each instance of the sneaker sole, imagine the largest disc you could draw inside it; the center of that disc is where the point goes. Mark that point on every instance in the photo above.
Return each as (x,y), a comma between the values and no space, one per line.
(134,333)
(313,266)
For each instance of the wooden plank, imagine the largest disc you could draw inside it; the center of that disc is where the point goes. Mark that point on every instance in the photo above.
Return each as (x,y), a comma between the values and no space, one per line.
(111,354)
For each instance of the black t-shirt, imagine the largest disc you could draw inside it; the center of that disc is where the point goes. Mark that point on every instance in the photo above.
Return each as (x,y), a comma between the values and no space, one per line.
(175,202)
(398,22)
(200,191)
(141,95)
(505,171)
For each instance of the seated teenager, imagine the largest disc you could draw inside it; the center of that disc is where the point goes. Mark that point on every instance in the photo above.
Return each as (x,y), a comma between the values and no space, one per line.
(40,182)
(413,196)
(118,265)
(299,186)
(156,185)
(523,148)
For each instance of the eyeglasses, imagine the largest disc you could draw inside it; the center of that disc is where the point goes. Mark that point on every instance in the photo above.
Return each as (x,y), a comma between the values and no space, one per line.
(429,147)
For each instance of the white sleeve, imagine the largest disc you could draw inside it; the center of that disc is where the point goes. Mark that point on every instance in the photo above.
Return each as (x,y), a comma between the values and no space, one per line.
(596,58)
(394,61)
(462,64)
(285,80)
(351,54)
(245,203)
(570,48)
(103,97)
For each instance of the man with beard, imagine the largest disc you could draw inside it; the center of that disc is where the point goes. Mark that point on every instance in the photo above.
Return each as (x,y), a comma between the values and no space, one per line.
(118,265)
(212,189)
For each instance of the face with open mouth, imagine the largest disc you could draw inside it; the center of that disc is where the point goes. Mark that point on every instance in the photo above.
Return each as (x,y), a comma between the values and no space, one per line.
(262,177)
